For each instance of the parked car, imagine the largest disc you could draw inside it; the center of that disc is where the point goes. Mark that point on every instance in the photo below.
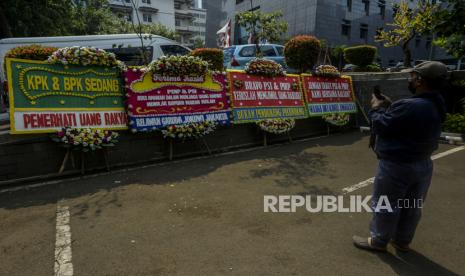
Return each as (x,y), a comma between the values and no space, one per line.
(349,67)
(236,57)
(125,46)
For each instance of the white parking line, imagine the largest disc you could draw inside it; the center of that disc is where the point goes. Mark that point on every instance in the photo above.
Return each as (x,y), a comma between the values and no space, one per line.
(447,152)
(371,180)
(63,264)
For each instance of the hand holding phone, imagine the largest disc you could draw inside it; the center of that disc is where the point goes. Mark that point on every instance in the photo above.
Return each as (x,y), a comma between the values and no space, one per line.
(377,93)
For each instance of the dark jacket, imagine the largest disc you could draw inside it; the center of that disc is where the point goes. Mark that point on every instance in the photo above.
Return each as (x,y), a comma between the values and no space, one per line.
(409,129)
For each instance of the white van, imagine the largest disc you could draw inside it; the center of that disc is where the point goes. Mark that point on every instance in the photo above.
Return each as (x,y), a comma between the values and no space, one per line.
(125,46)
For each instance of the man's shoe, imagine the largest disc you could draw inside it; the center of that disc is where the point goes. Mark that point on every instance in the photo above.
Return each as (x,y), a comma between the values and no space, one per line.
(403,247)
(365,243)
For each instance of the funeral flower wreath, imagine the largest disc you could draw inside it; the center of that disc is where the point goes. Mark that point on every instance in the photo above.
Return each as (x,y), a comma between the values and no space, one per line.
(86,139)
(264,67)
(337,119)
(277,126)
(189,131)
(84,56)
(175,66)
(328,71)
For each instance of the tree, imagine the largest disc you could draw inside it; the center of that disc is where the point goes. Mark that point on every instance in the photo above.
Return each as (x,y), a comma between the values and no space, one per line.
(449,24)
(36,18)
(198,43)
(25,18)
(406,25)
(124,27)
(262,26)
(91,17)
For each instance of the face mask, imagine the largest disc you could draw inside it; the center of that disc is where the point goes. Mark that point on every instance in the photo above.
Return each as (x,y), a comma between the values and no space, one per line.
(411,87)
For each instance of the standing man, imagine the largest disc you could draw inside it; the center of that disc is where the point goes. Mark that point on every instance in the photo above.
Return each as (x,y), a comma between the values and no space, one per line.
(407,133)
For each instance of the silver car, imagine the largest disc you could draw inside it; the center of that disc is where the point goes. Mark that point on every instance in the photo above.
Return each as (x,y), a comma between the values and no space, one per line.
(236,57)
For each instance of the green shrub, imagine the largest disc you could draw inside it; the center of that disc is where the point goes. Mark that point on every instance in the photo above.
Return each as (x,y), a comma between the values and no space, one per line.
(301,52)
(34,52)
(368,68)
(362,55)
(213,56)
(454,123)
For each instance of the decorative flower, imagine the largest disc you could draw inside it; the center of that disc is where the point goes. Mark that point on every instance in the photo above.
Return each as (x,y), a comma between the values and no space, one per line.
(85,56)
(328,71)
(238,84)
(189,131)
(86,138)
(337,119)
(179,66)
(277,126)
(264,67)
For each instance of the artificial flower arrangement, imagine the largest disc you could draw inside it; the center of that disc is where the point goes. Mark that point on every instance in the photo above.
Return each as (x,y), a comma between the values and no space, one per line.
(277,126)
(189,131)
(328,71)
(264,67)
(238,84)
(179,66)
(86,139)
(34,52)
(337,119)
(84,56)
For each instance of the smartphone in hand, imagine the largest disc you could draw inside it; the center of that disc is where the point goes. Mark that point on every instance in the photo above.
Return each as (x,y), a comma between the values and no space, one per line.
(377,93)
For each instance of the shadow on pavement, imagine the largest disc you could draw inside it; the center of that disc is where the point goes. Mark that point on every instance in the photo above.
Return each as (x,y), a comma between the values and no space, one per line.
(413,263)
(293,163)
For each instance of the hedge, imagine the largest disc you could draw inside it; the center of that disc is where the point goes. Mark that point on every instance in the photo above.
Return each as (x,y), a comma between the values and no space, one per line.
(301,52)
(362,55)
(213,56)
(454,123)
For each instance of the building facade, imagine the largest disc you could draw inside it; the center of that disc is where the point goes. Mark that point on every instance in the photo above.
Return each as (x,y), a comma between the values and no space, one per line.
(190,21)
(186,17)
(339,22)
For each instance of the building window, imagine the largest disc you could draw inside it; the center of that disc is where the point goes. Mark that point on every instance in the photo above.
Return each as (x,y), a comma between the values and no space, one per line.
(367,6)
(417,41)
(147,17)
(346,28)
(364,32)
(177,22)
(379,30)
(146,1)
(239,1)
(349,5)
(382,8)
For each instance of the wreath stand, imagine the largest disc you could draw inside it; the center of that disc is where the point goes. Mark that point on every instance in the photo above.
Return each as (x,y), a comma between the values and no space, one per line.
(265,139)
(70,155)
(200,140)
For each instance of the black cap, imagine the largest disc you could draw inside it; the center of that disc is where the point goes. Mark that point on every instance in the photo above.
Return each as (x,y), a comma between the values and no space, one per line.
(431,70)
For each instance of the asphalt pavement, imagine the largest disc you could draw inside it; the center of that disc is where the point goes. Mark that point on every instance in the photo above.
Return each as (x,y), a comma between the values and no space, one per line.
(206,216)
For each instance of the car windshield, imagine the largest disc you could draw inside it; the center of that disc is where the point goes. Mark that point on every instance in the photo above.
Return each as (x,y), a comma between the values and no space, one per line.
(131,55)
(174,50)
